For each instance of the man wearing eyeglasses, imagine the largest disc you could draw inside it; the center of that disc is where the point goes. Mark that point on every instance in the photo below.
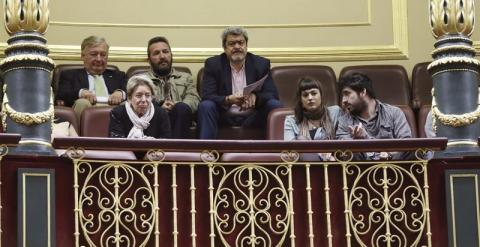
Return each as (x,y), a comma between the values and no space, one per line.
(94,85)
(224,101)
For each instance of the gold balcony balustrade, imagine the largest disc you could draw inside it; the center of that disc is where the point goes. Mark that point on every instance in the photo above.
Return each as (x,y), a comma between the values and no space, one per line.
(276,200)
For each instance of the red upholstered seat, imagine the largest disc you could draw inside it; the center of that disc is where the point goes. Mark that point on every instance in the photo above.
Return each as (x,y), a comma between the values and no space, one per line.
(421,86)
(67,114)
(422,118)
(286,80)
(275,123)
(94,121)
(411,119)
(390,82)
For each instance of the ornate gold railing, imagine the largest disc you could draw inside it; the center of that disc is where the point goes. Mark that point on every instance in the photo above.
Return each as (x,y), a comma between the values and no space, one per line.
(279,202)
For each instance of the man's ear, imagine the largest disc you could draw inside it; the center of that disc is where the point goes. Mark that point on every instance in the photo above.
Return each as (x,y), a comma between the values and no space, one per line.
(363,93)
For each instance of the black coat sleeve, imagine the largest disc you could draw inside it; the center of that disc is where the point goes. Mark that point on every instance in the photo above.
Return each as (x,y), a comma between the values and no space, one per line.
(162,122)
(116,126)
(68,87)
(211,81)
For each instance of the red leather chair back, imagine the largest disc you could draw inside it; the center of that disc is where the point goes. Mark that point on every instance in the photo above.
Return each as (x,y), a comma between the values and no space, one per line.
(67,114)
(411,119)
(286,80)
(390,82)
(421,86)
(95,120)
(275,123)
(422,119)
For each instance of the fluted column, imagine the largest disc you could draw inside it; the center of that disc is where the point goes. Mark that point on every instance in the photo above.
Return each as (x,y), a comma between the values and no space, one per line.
(455,74)
(27,101)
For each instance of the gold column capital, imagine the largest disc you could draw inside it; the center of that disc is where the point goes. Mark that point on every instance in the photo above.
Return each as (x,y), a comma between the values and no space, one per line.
(452,17)
(26,16)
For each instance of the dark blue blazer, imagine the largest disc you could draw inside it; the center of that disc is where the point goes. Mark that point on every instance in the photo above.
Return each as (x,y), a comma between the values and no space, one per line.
(71,81)
(217,78)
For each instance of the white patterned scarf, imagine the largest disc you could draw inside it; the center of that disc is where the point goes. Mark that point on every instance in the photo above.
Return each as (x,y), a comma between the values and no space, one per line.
(139,123)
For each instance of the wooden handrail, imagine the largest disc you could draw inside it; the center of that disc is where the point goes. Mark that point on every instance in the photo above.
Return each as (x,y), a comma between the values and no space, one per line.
(254,146)
(9,139)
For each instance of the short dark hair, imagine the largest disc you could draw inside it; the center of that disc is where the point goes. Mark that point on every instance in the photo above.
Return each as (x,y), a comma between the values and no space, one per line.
(157,40)
(357,82)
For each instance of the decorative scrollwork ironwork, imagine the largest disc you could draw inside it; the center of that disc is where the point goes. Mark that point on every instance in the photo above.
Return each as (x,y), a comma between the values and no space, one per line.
(209,156)
(155,155)
(116,203)
(386,204)
(252,203)
(343,155)
(75,153)
(290,156)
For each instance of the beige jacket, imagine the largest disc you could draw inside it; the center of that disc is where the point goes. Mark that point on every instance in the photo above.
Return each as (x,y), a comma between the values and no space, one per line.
(184,89)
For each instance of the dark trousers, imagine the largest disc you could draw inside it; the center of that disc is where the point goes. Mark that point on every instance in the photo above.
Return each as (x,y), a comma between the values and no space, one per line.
(180,120)
(210,116)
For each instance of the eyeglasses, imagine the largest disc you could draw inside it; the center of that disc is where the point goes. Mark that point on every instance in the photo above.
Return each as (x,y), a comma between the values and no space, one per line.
(234,42)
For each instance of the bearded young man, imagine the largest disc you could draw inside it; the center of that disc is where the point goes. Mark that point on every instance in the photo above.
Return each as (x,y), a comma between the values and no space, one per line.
(367,118)
(225,76)
(174,90)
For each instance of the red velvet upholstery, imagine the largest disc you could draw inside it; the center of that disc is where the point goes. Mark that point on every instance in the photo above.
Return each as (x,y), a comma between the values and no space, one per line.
(133,70)
(286,80)
(422,118)
(275,123)
(421,86)
(67,114)
(411,119)
(94,121)
(390,82)
(62,67)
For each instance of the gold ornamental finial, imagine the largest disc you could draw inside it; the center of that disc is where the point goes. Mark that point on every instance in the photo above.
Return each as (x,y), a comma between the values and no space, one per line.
(26,15)
(451,17)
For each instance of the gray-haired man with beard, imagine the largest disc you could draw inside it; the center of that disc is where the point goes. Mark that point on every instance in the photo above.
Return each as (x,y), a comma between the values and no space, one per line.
(367,118)
(174,90)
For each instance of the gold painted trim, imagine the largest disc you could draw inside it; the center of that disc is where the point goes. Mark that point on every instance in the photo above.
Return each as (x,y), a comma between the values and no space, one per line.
(211,26)
(27,57)
(35,142)
(368,22)
(174,206)
(452,48)
(309,189)
(450,60)
(193,210)
(457,143)
(396,51)
(49,209)
(452,204)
